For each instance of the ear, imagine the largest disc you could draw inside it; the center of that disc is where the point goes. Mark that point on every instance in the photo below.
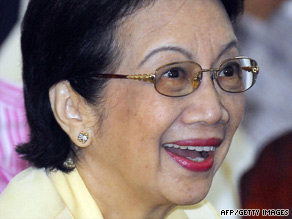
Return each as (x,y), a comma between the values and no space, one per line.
(71,112)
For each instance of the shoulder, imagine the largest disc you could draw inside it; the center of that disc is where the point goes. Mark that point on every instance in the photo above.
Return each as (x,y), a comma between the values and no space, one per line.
(31,194)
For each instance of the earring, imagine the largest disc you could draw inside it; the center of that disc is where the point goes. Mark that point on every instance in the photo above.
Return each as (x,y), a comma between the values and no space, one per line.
(83,137)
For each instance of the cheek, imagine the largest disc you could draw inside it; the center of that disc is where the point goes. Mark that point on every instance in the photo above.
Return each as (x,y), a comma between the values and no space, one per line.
(239,105)
(234,104)
(149,110)
(138,121)
(137,124)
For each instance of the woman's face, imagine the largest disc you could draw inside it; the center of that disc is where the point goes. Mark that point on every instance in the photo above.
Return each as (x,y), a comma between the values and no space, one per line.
(129,147)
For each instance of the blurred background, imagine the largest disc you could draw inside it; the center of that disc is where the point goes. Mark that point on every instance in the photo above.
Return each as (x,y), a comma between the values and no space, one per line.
(257,172)
(13,127)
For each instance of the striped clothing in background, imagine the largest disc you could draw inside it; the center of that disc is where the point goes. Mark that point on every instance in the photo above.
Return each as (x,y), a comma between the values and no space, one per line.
(13,130)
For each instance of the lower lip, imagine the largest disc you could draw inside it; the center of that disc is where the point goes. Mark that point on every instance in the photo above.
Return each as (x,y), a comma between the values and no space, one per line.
(192,165)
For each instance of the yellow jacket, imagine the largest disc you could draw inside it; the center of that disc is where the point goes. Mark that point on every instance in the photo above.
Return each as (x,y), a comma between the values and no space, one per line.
(37,193)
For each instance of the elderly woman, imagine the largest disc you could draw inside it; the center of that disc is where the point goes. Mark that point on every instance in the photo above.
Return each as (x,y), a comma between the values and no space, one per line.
(132,106)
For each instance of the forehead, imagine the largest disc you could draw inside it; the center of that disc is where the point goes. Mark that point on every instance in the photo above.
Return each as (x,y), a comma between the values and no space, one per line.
(200,26)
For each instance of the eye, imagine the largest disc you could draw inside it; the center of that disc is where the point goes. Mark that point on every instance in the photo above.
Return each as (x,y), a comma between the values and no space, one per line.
(177,79)
(174,73)
(230,70)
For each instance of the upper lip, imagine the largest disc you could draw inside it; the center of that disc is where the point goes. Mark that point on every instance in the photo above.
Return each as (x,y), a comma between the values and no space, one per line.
(216,142)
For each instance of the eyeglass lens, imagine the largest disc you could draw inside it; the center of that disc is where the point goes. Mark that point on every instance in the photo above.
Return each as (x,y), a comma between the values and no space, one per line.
(182,78)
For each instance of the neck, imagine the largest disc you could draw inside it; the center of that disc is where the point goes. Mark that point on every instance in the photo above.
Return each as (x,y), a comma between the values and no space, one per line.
(116,198)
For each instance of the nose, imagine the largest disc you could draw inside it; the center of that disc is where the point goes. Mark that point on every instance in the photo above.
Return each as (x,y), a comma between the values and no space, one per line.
(205,105)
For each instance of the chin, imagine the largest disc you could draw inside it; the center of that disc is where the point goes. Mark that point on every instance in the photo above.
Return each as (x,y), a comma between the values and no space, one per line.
(189,195)
(190,200)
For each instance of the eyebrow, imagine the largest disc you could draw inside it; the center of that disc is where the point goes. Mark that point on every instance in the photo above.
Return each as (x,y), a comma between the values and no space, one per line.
(167,48)
(227,47)
(189,55)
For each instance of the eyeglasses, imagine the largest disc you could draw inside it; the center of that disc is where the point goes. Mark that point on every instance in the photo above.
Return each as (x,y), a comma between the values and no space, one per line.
(178,79)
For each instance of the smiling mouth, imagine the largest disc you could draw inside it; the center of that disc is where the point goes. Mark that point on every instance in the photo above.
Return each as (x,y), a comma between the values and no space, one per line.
(193,153)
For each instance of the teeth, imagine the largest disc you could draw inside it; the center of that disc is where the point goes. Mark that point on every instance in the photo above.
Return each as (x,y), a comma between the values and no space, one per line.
(192,148)
(200,148)
(197,159)
(176,146)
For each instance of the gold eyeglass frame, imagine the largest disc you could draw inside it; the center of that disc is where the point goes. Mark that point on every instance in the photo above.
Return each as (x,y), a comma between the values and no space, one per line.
(214,74)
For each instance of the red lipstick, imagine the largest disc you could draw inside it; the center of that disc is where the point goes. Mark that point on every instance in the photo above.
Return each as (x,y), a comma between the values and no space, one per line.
(199,142)
(196,155)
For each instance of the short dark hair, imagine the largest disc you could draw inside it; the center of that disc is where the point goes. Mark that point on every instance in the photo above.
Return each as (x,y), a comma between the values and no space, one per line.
(69,40)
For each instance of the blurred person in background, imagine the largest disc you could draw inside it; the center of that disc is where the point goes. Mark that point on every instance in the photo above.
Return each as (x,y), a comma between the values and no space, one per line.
(267,185)
(13,127)
(265,32)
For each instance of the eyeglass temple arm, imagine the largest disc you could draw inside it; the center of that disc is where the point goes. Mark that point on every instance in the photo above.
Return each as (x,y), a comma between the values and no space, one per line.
(139,77)
(254,70)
